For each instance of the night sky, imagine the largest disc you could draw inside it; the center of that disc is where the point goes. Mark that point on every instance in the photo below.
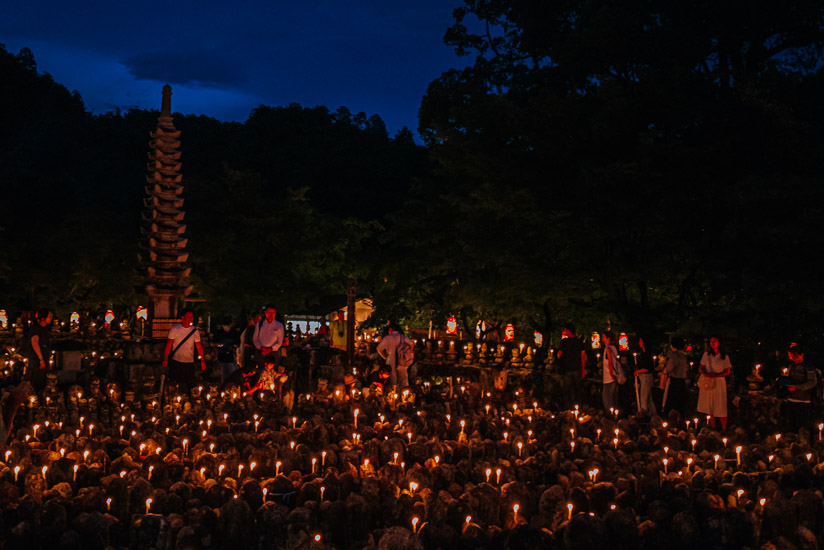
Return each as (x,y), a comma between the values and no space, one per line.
(223,59)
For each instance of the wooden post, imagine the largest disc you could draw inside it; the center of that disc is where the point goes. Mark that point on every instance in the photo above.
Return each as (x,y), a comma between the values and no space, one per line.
(351,290)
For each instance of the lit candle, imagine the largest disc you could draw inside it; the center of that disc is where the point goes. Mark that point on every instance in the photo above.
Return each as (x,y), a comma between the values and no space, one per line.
(665,465)
(323,458)
(498,476)
(322,489)
(35,428)
(488,473)
(239,471)
(615,442)
(151,468)
(74,475)
(414,525)
(693,444)
(148,504)
(108,504)
(689,461)
(569,511)
(357,411)
(203,473)
(515,513)
(8,454)
(521,446)
(738,455)
(716,457)
(413,486)
(277,468)
(294,421)
(724,439)
(820,427)
(44,469)
(595,474)
(16,472)
(314,461)
(220,470)
(463,423)
(185,445)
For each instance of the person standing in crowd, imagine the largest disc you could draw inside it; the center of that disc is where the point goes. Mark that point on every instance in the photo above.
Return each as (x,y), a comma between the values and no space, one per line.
(801,383)
(268,336)
(610,368)
(676,371)
(338,329)
(392,348)
(645,372)
(246,351)
(38,349)
(179,356)
(226,337)
(712,384)
(573,361)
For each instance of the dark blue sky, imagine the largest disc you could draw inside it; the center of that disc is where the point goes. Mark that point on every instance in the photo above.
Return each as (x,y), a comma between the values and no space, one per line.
(224,58)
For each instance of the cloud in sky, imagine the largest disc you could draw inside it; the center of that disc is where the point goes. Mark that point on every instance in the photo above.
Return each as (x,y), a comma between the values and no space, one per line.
(208,68)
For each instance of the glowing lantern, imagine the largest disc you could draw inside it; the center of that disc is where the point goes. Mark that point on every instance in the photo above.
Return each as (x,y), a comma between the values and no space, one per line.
(4,319)
(452,325)
(142,313)
(509,333)
(109,317)
(596,340)
(623,342)
(480,329)
(74,318)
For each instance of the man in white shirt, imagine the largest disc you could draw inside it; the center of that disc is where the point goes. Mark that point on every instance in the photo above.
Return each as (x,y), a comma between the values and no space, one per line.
(179,356)
(268,336)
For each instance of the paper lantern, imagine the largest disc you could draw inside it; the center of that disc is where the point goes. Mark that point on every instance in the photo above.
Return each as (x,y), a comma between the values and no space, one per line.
(596,340)
(623,342)
(539,339)
(452,325)
(142,313)
(509,333)
(109,317)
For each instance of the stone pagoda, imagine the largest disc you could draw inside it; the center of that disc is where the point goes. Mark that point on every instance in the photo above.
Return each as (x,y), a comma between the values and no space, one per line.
(164,257)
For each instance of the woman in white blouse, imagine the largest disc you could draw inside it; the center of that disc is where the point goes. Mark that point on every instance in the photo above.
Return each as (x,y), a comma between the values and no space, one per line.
(712,384)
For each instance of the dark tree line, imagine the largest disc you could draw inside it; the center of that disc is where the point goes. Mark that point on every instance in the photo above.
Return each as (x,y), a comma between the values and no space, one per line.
(655,166)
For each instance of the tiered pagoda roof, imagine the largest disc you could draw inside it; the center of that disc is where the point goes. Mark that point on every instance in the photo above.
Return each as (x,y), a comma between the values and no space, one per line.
(165,245)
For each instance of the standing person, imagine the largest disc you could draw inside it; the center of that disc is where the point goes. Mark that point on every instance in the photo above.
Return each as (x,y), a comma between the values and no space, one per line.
(179,355)
(645,371)
(226,337)
(395,348)
(676,371)
(338,329)
(38,349)
(268,336)
(610,368)
(801,383)
(712,384)
(246,351)
(573,360)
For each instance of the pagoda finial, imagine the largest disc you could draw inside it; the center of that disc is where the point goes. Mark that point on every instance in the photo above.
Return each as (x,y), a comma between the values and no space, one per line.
(166,106)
